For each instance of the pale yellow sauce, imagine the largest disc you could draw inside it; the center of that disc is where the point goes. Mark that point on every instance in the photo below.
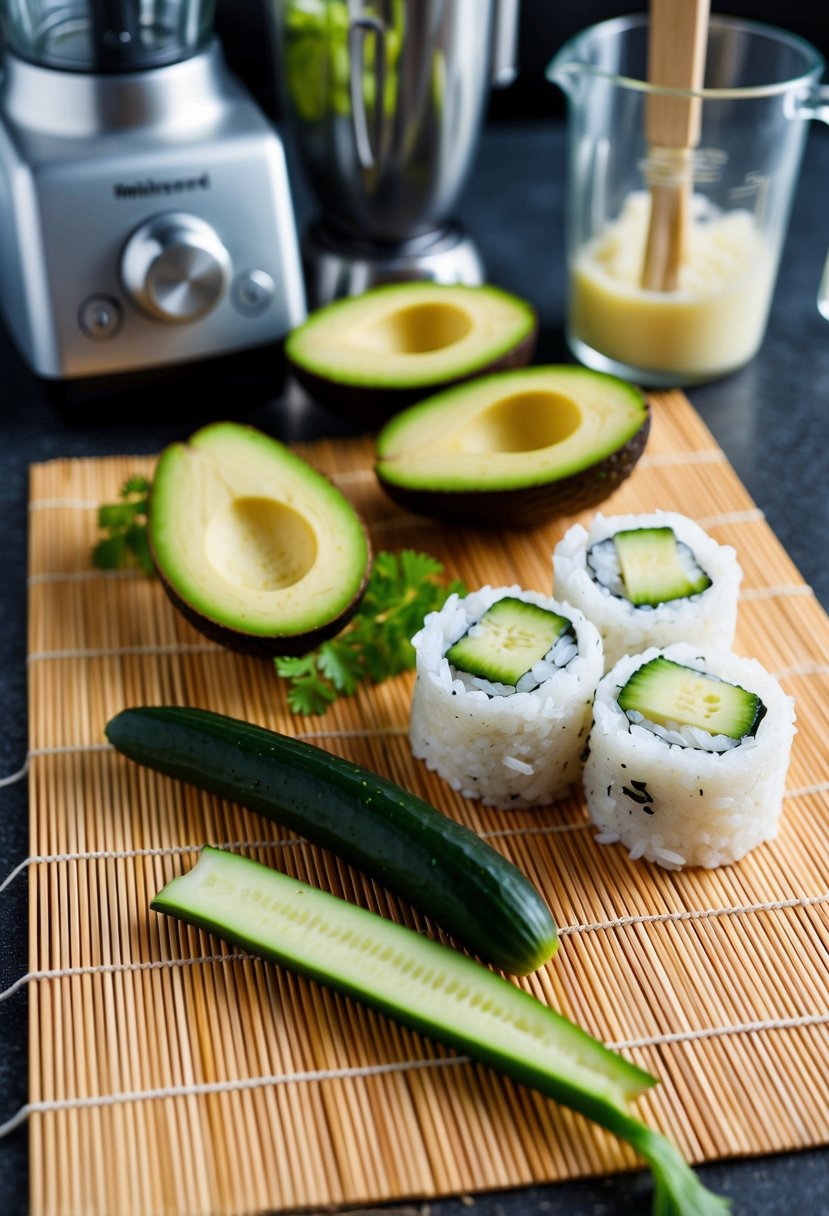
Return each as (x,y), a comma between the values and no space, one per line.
(715,320)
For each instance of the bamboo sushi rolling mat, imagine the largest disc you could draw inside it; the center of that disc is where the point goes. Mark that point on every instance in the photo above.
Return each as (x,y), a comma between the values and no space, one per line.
(169,1074)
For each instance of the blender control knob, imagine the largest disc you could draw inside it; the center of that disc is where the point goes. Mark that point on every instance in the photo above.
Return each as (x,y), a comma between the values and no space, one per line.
(175,267)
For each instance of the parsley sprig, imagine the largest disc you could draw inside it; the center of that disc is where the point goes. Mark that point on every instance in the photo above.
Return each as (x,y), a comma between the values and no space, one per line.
(125,545)
(375,644)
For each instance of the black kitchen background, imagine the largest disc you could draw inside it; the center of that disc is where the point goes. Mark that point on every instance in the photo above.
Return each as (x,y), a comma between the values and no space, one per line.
(245,30)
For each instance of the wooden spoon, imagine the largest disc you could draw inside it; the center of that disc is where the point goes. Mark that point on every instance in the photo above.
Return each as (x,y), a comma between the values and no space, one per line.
(676,59)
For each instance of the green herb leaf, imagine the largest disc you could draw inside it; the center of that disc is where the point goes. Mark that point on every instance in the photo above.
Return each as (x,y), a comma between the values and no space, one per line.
(125,546)
(375,644)
(110,554)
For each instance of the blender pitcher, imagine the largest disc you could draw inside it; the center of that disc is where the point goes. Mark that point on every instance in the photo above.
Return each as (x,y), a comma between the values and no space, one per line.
(761,83)
(385,101)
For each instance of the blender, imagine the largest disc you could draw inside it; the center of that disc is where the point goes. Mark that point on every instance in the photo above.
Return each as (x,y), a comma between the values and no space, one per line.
(145,213)
(384,101)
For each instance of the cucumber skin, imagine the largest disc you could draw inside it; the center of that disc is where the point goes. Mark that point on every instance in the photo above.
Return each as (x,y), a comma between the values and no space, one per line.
(441,867)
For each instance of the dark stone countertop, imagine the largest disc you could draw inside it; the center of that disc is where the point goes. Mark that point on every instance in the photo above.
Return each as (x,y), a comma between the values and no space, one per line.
(772,419)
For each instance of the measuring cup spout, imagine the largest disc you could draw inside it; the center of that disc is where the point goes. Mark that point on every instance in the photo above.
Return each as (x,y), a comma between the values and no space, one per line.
(568,72)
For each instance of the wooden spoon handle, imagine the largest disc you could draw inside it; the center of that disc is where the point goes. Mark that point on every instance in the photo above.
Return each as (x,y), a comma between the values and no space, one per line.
(676,59)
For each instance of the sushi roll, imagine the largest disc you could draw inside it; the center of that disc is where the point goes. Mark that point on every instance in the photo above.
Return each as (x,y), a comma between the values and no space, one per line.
(501,705)
(688,756)
(649,580)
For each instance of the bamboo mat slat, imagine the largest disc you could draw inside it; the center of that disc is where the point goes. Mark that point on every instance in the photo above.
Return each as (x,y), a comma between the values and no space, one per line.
(181,1078)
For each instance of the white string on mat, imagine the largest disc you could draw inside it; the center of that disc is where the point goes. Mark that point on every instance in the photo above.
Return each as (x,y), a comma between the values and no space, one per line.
(352,477)
(73,749)
(174,850)
(83,576)
(18,776)
(224,1087)
(64,504)
(657,460)
(173,648)
(59,973)
(106,652)
(397,523)
(750,515)
(177,850)
(65,973)
(803,669)
(664,918)
(800,1022)
(781,592)
(241,1084)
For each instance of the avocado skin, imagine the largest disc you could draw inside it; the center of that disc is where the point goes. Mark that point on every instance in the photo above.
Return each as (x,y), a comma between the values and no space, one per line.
(256,645)
(529,506)
(372,406)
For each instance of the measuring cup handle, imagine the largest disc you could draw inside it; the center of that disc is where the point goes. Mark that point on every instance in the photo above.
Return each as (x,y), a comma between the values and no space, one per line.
(367,139)
(816,105)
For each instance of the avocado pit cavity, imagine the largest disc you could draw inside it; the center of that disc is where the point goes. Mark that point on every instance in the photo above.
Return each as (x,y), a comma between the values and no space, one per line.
(415,330)
(260,544)
(520,422)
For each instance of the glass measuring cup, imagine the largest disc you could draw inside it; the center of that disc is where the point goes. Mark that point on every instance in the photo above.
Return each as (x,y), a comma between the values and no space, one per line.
(761,83)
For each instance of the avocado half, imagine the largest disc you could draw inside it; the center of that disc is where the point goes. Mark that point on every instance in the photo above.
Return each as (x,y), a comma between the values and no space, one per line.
(257,549)
(515,449)
(372,355)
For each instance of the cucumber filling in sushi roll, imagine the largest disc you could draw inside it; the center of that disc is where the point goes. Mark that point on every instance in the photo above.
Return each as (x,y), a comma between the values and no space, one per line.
(647,566)
(514,647)
(688,755)
(690,708)
(501,706)
(649,580)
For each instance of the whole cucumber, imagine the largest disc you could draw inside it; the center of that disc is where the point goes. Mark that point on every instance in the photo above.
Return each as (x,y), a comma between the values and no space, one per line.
(441,867)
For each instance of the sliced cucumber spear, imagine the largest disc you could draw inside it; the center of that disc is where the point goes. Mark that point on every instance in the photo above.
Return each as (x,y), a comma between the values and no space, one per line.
(443,868)
(435,990)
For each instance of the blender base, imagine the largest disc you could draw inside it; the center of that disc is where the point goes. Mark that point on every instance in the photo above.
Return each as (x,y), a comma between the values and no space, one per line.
(336,267)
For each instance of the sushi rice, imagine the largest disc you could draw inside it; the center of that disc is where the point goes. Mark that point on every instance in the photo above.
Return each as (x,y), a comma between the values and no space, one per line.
(509,746)
(586,574)
(684,797)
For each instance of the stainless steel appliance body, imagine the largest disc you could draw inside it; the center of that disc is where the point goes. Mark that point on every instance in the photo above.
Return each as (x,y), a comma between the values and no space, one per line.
(385,100)
(145,214)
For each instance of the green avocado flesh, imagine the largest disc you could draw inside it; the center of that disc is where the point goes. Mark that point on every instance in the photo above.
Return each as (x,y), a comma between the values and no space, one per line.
(669,693)
(410,335)
(258,549)
(518,446)
(651,568)
(507,641)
